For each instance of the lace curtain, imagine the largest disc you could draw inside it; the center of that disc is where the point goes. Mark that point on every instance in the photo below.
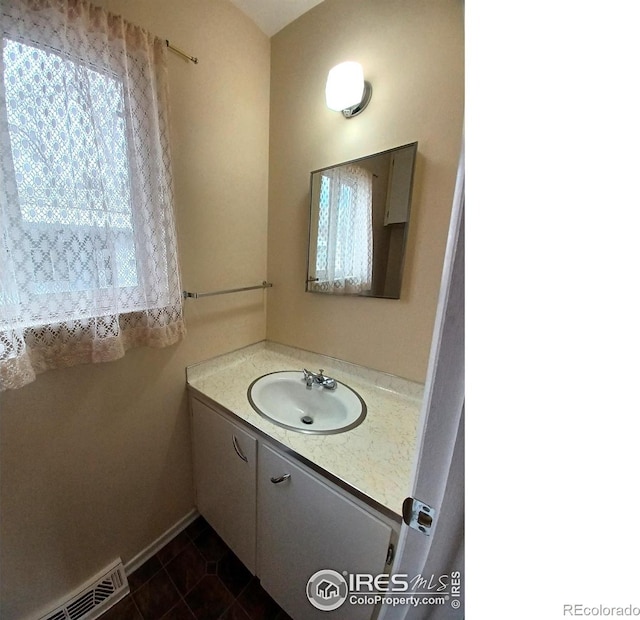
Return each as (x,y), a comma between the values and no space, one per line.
(344,254)
(88,258)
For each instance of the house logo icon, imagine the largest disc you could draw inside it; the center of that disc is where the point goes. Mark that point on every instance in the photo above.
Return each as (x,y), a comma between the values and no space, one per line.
(327,590)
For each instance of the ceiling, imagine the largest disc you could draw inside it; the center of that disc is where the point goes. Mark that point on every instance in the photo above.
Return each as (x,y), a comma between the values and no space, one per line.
(273,15)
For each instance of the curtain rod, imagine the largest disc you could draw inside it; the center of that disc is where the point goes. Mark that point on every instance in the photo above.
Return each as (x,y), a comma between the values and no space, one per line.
(193,59)
(264,284)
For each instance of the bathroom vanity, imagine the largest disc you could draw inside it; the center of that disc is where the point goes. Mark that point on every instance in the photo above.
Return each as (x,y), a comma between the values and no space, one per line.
(288,503)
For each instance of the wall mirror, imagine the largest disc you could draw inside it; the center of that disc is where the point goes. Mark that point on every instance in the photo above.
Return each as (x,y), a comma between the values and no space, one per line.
(358,224)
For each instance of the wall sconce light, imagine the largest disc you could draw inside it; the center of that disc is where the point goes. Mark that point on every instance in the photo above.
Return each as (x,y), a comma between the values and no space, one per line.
(346,89)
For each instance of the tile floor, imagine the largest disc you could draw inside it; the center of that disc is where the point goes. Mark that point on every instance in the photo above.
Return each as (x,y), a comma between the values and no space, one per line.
(195,576)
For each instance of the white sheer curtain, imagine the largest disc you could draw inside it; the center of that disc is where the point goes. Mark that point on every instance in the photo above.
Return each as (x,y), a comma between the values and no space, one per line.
(88,258)
(344,256)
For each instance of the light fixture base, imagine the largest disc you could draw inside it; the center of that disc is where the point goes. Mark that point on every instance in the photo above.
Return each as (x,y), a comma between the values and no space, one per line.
(359,107)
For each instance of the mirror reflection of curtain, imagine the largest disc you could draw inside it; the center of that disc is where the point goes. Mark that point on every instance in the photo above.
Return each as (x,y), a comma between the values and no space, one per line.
(344,256)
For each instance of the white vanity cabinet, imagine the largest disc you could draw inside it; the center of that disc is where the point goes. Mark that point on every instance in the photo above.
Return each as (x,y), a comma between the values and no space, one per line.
(224,463)
(306,525)
(284,520)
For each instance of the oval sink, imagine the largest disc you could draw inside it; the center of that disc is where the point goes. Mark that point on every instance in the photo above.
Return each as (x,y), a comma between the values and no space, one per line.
(284,399)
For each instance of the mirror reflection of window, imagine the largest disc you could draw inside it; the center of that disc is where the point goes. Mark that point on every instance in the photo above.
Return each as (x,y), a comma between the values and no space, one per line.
(358,224)
(344,251)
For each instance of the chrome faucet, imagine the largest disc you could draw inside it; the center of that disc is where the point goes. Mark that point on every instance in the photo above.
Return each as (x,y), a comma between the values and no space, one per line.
(320,379)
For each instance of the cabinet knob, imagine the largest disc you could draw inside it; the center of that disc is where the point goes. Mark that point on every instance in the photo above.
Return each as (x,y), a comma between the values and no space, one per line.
(280,479)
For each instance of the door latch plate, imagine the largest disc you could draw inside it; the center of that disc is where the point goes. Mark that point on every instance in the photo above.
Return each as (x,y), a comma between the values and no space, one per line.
(418,515)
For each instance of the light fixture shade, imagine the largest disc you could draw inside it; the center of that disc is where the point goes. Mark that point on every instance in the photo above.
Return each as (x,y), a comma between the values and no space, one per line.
(345,86)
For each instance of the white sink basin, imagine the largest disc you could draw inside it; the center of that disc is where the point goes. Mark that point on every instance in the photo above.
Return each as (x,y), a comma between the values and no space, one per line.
(284,398)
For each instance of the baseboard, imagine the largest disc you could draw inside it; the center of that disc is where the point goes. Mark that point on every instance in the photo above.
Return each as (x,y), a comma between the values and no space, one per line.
(149,551)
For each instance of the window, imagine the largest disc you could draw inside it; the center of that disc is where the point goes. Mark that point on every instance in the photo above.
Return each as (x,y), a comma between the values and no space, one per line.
(89,259)
(72,174)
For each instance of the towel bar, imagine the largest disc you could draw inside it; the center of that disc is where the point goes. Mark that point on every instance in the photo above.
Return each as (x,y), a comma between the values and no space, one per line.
(265,284)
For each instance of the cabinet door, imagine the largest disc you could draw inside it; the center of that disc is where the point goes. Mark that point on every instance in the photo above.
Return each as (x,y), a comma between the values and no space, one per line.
(224,461)
(306,525)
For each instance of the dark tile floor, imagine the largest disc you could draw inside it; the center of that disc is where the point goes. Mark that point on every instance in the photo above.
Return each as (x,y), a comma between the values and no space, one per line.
(195,576)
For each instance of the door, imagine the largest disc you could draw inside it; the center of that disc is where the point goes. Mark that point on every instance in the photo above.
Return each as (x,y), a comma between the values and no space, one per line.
(224,462)
(439,464)
(305,526)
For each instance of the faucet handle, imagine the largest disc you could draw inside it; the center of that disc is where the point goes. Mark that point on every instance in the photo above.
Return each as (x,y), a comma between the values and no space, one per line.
(308,377)
(326,382)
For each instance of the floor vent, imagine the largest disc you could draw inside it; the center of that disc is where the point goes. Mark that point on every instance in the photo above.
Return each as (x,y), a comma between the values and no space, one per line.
(94,599)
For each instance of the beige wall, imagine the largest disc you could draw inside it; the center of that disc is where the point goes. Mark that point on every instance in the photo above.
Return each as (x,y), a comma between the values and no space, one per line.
(412,53)
(96,459)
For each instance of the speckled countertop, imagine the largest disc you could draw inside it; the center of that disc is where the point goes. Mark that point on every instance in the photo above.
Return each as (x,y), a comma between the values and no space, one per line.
(374,459)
